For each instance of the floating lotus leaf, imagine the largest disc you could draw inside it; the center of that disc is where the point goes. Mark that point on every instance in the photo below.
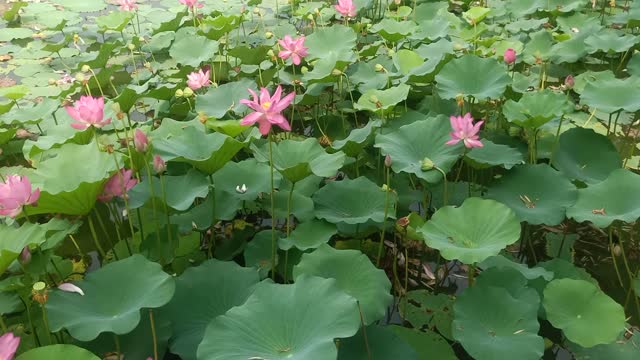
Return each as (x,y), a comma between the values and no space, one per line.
(353,144)
(535,109)
(180,190)
(611,95)
(383,343)
(585,314)
(380,101)
(217,101)
(250,173)
(472,232)
(58,352)
(610,40)
(585,155)
(616,198)
(538,48)
(114,21)
(193,50)
(207,152)
(354,274)
(10,303)
(500,261)
(426,309)
(258,253)
(195,305)
(427,344)
(102,309)
(298,159)
(336,42)
(537,193)
(492,154)
(420,140)
(491,323)
(471,75)
(352,201)
(309,235)
(392,30)
(294,322)
(624,348)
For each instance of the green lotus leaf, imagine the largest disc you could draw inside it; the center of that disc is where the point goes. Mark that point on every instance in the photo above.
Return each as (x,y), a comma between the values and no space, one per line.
(610,40)
(612,95)
(560,245)
(114,21)
(71,195)
(194,305)
(207,152)
(427,344)
(624,348)
(422,139)
(254,175)
(309,235)
(353,144)
(523,25)
(633,66)
(562,6)
(217,101)
(33,114)
(431,30)
(180,190)
(538,48)
(336,42)
(102,309)
(535,109)
(491,323)
(58,352)
(82,6)
(471,75)
(500,261)
(585,155)
(298,159)
(354,274)
(572,50)
(352,201)
(9,34)
(426,309)
(585,314)
(301,202)
(193,50)
(383,343)
(537,193)
(379,101)
(472,232)
(10,303)
(563,269)
(492,154)
(313,309)
(616,198)
(14,92)
(509,279)
(258,252)
(392,30)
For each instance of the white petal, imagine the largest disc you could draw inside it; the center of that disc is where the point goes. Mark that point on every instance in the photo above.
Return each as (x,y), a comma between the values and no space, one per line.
(69,287)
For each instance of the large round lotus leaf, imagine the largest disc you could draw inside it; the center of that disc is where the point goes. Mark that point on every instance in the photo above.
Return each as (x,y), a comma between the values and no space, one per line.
(610,40)
(535,109)
(352,202)
(624,348)
(382,100)
(202,294)
(585,314)
(538,48)
(258,252)
(474,76)
(612,95)
(537,193)
(491,324)
(420,140)
(294,322)
(585,155)
(207,152)
(392,30)
(254,175)
(309,235)
(492,154)
(429,345)
(353,144)
(384,344)
(58,352)
(217,101)
(354,274)
(500,261)
(472,232)
(113,297)
(180,190)
(192,50)
(616,198)
(82,6)
(298,159)
(335,42)
(71,195)
(115,21)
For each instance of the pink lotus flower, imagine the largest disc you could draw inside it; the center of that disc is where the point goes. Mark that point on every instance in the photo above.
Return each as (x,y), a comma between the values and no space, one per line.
(8,346)
(128,5)
(118,185)
(191,4)
(140,141)
(293,48)
(267,110)
(465,130)
(25,255)
(88,111)
(346,8)
(69,287)
(509,56)
(15,193)
(569,82)
(159,165)
(198,79)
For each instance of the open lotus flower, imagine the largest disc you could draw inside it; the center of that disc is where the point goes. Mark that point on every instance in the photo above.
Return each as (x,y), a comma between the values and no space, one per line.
(192,4)
(15,193)
(198,79)
(464,130)
(140,141)
(267,109)
(8,346)
(293,48)
(127,5)
(88,111)
(346,8)
(118,185)
(69,287)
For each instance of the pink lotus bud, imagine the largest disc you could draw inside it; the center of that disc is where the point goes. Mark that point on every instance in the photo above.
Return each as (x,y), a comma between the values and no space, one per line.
(510,56)
(8,346)
(15,193)
(25,255)
(569,82)
(159,165)
(387,161)
(140,141)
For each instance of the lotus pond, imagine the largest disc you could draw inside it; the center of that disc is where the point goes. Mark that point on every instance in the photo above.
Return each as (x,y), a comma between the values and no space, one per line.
(315,180)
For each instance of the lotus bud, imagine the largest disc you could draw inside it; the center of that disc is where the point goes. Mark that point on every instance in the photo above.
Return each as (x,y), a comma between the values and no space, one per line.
(617,251)
(179,93)
(509,56)
(23,133)
(241,189)
(316,11)
(336,72)
(86,68)
(131,47)
(80,77)
(569,82)
(387,161)
(426,164)
(268,35)
(391,52)
(310,17)
(141,141)
(187,92)
(271,54)
(379,68)
(384,187)
(52,81)
(256,11)
(141,39)
(304,70)
(25,255)
(159,166)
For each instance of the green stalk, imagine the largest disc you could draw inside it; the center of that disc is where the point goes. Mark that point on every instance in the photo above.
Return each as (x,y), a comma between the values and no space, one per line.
(95,237)
(445,199)
(153,334)
(3,325)
(45,322)
(104,231)
(613,256)
(153,204)
(273,215)
(386,210)
(286,254)
(213,215)
(166,210)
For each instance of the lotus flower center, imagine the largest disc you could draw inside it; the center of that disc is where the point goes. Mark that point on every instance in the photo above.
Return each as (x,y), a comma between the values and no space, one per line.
(266,105)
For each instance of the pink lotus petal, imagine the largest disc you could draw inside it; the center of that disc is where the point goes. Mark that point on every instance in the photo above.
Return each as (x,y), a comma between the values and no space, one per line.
(69,287)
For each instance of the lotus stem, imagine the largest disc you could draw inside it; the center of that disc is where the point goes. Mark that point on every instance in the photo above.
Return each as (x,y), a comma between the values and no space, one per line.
(45,322)
(364,332)
(153,334)
(153,203)
(386,210)
(2,324)
(273,214)
(472,274)
(104,231)
(286,254)
(166,210)
(95,237)
(557,140)
(613,256)
(97,82)
(30,319)
(445,199)
(116,339)
(213,217)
